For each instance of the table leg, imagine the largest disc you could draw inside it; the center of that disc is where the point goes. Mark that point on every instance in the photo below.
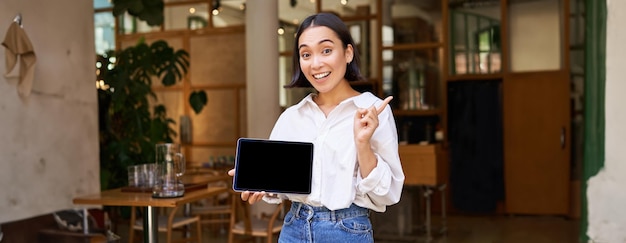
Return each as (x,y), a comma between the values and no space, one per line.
(85,221)
(150,226)
(444,223)
(187,212)
(427,193)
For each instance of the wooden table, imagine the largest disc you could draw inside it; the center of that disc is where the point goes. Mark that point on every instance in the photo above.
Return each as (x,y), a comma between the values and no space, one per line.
(116,197)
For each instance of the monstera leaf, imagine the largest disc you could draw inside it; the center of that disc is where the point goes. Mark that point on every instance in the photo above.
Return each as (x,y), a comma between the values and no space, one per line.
(150,11)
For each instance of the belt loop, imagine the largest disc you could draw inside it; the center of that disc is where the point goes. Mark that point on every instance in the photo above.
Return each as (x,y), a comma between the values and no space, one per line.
(310,212)
(333,216)
(298,207)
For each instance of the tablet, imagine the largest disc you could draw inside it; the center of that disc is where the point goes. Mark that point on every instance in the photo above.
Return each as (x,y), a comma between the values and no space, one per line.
(273,166)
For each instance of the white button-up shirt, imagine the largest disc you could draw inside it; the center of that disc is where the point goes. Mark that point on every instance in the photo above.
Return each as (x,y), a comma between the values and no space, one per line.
(336,180)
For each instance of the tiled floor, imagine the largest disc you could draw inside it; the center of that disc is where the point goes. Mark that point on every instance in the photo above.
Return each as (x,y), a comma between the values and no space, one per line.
(467,229)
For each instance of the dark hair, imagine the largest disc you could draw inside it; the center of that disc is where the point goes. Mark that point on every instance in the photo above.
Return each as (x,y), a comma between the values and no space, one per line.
(332,21)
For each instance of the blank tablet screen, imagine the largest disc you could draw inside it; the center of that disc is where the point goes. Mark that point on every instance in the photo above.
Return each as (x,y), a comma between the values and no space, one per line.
(273,166)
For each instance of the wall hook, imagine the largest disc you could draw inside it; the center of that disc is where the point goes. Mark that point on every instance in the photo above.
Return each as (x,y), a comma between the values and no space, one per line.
(18,19)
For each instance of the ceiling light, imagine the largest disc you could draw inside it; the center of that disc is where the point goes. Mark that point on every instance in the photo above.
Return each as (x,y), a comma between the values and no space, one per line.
(217,6)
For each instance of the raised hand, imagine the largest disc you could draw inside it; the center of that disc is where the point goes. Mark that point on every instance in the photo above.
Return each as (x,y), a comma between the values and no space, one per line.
(366,121)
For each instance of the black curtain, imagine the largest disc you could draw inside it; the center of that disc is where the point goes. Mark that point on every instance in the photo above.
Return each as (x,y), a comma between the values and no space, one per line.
(476,149)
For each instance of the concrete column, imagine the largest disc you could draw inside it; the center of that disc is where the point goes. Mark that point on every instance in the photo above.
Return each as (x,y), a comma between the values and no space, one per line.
(262,101)
(261,67)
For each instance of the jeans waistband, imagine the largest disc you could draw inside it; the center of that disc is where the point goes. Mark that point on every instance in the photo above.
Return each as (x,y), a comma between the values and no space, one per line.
(322,213)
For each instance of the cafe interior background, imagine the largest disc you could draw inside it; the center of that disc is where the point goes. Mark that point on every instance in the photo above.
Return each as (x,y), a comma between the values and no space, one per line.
(49,122)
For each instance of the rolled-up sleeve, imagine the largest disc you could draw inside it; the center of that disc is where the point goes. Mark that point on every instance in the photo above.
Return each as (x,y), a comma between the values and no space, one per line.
(381,186)
(378,181)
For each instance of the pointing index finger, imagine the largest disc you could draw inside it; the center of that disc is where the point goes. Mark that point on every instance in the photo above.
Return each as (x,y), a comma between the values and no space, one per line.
(384,104)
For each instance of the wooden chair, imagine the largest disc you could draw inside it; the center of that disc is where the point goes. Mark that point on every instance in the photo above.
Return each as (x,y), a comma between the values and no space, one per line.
(215,211)
(244,225)
(168,224)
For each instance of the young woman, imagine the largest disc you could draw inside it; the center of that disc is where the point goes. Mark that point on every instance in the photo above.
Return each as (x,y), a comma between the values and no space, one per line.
(356,164)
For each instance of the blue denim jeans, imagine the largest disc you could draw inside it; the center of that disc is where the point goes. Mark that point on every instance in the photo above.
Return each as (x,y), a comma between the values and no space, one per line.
(304,223)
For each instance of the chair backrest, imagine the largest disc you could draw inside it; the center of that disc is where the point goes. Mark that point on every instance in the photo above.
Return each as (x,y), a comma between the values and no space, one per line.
(167,223)
(244,224)
(217,210)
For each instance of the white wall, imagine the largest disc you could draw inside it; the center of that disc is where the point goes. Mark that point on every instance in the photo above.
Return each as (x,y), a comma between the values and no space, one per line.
(49,142)
(606,192)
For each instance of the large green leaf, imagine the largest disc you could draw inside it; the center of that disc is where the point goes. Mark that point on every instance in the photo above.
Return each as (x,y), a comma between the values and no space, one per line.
(198,99)
(150,11)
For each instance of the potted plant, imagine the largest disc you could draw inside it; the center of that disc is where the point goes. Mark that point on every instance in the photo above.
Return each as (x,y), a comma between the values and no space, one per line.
(129,126)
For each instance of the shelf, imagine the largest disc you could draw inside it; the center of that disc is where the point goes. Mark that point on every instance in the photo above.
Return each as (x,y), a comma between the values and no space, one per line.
(413,46)
(477,77)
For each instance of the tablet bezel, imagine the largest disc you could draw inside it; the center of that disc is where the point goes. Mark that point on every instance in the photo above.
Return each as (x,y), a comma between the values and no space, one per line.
(269,175)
